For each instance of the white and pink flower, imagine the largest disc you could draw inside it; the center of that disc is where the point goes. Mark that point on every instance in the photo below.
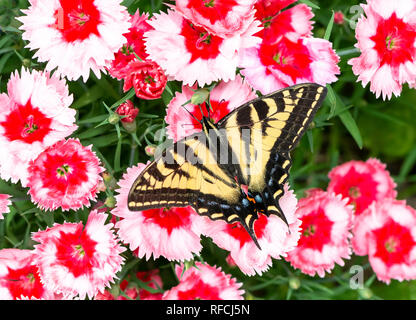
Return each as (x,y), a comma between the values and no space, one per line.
(76,260)
(326,222)
(65,175)
(33,115)
(4,204)
(204,282)
(134,45)
(75,36)
(173,233)
(19,276)
(386,232)
(288,54)
(275,238)
(362,183)
(194,53)
(387,40)
(224,98)
(225,18)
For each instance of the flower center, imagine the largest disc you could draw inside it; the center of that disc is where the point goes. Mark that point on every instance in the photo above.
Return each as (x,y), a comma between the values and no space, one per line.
(390,43)
(77,19)
(205,38)
(76,251)
(24,282)
(29,127)
(79,251)
(394,243)
(280,59)
(26,123)
(354,192)
(209,3)
(30,278)
(391,244)
(310,230)
(293,59)
(149,79)
(199,43)
(394,41)
(267,21)
(316,230)
(127,49)
(63,170)
(359,187)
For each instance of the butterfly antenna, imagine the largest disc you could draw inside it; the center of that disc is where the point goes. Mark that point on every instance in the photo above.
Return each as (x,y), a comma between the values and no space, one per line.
(209,108)
(200,108)
(192,115)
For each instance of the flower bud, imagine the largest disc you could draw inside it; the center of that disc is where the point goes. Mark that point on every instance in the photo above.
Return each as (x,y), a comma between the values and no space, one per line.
(339,17)
(109,180)
(114,118)
(365,293)
(200,96)
(150,150)
(110,202)
(294,283)
(26,62)
(130,127)
(128,110)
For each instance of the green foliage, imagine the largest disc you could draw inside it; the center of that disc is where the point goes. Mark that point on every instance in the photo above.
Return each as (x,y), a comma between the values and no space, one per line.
(352,124)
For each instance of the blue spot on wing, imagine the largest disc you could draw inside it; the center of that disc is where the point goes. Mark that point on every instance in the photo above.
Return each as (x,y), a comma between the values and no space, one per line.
(258,198)
(245,202)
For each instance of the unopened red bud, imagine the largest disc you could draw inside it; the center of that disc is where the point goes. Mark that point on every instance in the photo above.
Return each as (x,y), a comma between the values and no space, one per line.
(128,110)
(338,17)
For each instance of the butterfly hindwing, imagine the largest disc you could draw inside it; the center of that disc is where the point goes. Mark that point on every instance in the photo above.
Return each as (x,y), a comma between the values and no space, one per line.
(268,128)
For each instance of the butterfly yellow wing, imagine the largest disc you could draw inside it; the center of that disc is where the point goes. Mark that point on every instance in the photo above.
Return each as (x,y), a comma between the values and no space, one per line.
(186,174)
(264,131)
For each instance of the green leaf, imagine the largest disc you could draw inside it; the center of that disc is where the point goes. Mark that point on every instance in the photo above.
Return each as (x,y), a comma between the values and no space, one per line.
(408,163)
(332,101)
(310,139)
(4,41)
(147,116)
(347,51)
(103,141)
(310,3)
(4,59)
(329,27)
(349,123)
(95,119)
(128,96)
(93,132)
(117,154)
(93,94)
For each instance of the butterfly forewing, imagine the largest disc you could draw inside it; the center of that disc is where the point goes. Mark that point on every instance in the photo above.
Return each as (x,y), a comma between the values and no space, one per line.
(185,174)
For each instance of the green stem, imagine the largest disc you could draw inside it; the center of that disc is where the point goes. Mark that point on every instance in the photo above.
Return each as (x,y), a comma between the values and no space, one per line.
(347,52)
